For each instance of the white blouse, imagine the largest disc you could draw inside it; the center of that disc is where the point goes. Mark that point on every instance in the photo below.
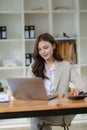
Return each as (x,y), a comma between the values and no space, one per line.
(49,83)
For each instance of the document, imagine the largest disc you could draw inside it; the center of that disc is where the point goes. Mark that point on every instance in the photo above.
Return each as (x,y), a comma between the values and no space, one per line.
(4,97)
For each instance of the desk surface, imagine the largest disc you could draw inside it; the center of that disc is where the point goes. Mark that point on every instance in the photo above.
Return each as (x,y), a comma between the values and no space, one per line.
(34,108)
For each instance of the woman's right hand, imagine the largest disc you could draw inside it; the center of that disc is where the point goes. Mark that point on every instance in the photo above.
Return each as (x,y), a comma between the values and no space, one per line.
(74,91)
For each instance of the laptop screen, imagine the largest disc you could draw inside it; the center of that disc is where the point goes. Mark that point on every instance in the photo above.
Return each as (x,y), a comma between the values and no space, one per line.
(27,88)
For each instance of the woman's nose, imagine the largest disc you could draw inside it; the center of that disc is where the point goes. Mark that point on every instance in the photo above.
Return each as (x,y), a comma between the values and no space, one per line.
(42,51)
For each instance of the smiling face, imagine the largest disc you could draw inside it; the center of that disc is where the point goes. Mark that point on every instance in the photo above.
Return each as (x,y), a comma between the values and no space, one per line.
(45,49)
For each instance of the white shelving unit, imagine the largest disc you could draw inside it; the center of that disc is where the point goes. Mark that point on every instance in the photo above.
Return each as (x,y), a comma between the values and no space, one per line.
(83,38)
(52,16)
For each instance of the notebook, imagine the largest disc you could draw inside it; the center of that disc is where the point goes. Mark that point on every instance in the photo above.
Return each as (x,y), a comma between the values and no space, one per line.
(28,88)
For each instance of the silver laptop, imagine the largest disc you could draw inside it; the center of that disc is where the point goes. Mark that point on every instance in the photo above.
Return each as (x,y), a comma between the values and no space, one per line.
(28,88)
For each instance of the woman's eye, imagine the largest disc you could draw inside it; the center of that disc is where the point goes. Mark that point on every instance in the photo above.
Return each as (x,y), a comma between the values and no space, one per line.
(45,47)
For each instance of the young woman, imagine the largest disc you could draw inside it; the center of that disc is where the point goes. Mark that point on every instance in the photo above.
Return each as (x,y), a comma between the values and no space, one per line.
(56,74)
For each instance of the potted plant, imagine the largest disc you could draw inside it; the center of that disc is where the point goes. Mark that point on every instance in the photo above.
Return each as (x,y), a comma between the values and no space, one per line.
(1,88)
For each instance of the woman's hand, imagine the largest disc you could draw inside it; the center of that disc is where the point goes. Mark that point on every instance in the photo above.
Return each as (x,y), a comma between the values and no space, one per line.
(74,91)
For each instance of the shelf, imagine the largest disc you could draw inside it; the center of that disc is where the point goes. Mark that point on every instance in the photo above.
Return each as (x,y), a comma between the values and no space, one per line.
(83,11)
(83,65)
(31,40)
(36,12)
(83,38)
(12,68)
(51,16)
(9,12)
(65,11)
(11,40)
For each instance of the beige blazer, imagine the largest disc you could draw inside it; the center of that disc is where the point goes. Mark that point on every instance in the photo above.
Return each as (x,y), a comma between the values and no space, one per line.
(64,73)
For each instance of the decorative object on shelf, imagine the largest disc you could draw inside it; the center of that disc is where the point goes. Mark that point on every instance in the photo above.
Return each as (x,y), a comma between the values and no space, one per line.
(71,35)
(26,32)
(66,35)
(30,32)
(28,59)
(3,32)
(62,8)
(38,9)
(9,63)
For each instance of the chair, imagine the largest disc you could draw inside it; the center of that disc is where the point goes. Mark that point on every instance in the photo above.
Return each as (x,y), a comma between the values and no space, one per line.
(64,125)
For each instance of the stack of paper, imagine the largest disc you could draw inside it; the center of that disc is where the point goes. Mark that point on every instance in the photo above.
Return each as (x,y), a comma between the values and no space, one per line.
(4,97)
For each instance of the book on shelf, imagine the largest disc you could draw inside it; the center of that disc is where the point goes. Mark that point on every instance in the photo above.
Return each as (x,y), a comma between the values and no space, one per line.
(29,32)
(3,32)
(73,57)
(61,46)
(68,51)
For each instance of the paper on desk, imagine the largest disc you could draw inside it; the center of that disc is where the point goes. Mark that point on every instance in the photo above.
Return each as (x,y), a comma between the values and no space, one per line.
(4,97)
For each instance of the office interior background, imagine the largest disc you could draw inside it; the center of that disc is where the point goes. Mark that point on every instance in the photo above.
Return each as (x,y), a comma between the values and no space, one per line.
(21,21)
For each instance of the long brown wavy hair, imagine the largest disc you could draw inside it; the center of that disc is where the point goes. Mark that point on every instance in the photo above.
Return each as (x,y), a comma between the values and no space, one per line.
(38,67)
